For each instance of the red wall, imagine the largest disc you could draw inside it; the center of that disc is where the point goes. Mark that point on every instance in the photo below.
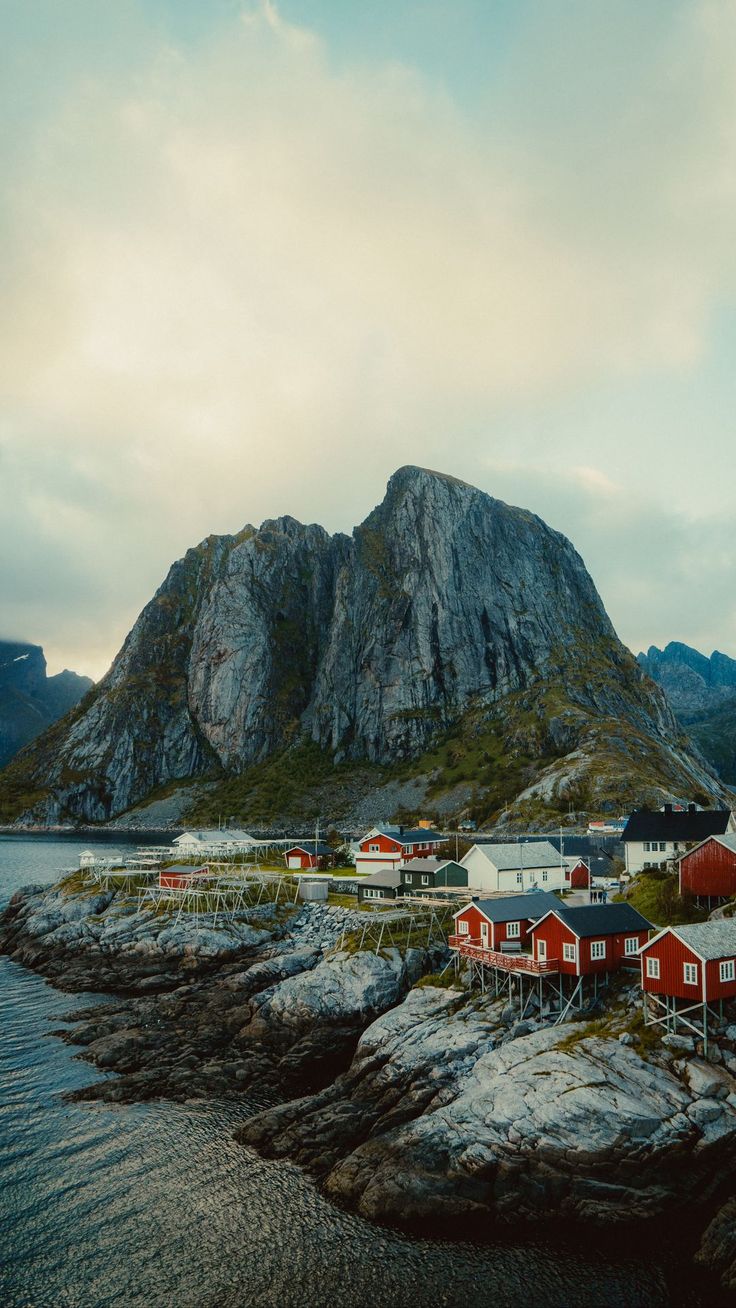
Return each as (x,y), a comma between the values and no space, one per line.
(555,933)
(672,955)
(171,880)
(386,845)
(474,919)
(580,876)
(709,870)
(497,931)
(306,860)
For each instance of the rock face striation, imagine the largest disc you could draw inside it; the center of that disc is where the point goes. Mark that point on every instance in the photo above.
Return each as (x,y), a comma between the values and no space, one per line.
(30,700)
(702,692)
(446,610)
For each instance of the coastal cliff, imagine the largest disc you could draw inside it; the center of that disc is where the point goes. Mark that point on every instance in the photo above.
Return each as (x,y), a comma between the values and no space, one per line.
(416,1104)
(453,644)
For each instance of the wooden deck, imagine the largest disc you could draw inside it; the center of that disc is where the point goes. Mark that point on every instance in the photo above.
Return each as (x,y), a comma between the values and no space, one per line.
(507,962)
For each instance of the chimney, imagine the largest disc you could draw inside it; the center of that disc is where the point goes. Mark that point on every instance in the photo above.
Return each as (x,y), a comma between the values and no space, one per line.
(668,808)
(692,808)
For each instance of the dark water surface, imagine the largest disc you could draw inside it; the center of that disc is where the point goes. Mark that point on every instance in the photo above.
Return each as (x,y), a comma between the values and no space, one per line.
(154,1204)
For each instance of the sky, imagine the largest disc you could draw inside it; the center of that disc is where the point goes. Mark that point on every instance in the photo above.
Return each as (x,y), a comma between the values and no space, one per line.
(258,255)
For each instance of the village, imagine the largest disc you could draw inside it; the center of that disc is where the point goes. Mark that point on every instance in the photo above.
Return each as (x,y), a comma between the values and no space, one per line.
(549,921)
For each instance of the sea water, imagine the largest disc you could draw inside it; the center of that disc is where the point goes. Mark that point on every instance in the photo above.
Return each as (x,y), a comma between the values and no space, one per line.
(154,1204)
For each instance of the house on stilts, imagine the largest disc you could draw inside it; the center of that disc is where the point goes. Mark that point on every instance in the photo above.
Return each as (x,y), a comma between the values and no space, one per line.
(554,957)
(687,972)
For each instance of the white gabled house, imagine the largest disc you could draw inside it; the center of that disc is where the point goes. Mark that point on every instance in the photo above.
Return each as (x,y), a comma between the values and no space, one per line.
(513,868)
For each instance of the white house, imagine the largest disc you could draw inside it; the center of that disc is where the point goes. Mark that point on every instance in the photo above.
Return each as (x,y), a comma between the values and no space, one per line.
(531,865)
(655,839)
(222,840)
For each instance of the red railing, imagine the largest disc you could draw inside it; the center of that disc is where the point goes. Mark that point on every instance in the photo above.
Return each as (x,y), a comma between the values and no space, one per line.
(508,962)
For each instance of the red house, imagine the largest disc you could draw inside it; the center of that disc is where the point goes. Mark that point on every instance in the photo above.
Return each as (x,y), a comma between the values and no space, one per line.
(695,962)
(495,923)
(308,854)
(709,870)
(180,876)
(590,939)
(391,847)
(580,876)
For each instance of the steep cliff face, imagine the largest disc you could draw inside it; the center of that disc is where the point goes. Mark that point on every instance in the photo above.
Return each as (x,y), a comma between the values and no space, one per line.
(702,693)
(447,611)
(30,700)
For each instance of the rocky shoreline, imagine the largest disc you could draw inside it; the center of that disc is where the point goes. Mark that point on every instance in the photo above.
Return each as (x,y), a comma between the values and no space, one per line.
(417,1104)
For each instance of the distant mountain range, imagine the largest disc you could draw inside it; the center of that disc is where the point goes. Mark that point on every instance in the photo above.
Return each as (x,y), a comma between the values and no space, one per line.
(452,657)
(702,692)
(29,700)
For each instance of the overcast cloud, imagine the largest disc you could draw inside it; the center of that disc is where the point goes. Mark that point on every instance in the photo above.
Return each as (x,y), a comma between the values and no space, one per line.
(249,270)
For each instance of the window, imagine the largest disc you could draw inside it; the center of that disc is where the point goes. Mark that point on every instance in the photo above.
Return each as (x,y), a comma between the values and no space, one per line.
(653,968)
(410,849)
(631,944)
(597,949)
(519,878)
(662,846)
(727,970)
(425,881)
(513,930)
(372,894)
(568,953)
(462,927)
(646,846)
(374,849)
(544,876)
(690,974)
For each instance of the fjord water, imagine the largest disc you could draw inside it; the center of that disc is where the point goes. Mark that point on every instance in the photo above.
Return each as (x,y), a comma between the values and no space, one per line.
(155,1204)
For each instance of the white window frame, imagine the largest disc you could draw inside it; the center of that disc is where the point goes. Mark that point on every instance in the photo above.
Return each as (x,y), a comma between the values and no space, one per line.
(541,951)
(519,878)
(513,930)
(410,849)
(727,970)
(631,945)
(425,880)
(597,950)
(652,969)
(663,846)
(690,974)
(463,927)
(544,876)
(569,952)
(646,846)
(374,849)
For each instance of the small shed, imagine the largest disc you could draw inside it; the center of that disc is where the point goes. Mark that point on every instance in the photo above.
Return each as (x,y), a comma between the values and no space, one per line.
(590,939)
(307,854)
(179,876)
(433,873)
(580,875)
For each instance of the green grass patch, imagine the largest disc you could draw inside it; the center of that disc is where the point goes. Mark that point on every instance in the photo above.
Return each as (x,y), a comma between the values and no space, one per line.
(655,894)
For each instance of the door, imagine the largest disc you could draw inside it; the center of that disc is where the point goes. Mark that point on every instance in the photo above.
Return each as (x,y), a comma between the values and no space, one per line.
(542,951)
(484,934)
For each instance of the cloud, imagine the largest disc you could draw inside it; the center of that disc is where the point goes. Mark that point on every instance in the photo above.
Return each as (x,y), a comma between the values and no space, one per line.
(241,280)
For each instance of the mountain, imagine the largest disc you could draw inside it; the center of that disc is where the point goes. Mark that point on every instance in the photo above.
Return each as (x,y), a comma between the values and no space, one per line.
(453,654)
(702,692)
(29,700)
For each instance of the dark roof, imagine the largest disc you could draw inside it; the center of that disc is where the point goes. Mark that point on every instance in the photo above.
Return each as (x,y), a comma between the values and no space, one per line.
(388,877)
(311,847)
(643,825)
(601,919)
(418,837)
(513,908)
(586,846)
(429,864)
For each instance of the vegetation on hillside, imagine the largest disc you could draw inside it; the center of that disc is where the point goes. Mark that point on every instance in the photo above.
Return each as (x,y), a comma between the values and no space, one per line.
(656,895)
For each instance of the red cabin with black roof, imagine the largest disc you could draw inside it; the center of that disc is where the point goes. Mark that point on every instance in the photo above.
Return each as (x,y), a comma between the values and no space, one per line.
(495,923)
(591,938)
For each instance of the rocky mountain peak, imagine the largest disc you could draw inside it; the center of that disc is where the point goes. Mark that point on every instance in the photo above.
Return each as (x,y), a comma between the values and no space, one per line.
(446,611)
